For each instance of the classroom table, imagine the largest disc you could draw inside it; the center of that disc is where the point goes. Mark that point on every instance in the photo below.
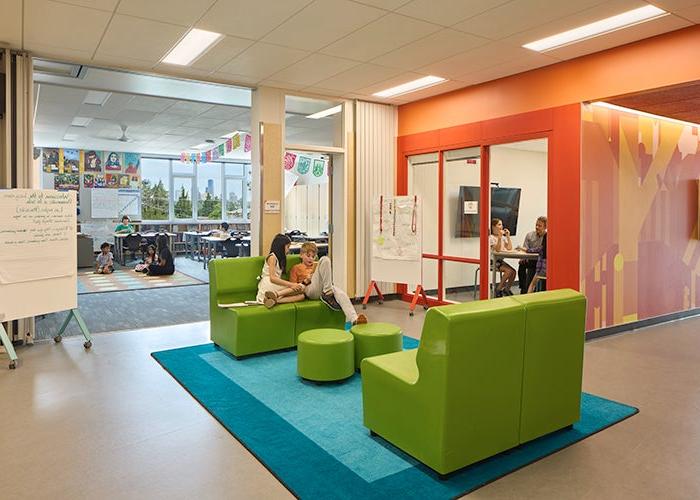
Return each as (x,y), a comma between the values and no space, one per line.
(211,241)
(193,240)
(507,254)
(119,247)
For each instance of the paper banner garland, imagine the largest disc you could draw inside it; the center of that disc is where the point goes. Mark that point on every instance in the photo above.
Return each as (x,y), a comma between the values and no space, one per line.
(217,151)
(308,170)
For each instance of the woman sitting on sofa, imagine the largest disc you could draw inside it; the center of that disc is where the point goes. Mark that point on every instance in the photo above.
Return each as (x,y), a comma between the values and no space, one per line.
(272,289)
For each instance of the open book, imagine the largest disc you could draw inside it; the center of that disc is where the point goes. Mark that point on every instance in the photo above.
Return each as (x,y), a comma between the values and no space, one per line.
(239,304)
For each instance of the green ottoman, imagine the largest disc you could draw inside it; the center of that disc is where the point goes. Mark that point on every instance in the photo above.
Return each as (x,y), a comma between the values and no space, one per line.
(373,339)
(325,354)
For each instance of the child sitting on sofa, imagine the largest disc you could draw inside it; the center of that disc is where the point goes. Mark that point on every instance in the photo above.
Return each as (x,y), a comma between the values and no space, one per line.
(317,278)
(272,289)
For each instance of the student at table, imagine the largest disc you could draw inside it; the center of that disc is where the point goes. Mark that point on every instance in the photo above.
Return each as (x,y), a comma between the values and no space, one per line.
(541,269)
(531,244)
(166,264)
(222,232)
(499,241)
(125,227)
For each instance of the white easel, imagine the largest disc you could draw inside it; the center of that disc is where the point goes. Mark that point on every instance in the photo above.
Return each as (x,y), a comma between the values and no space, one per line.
(396,246)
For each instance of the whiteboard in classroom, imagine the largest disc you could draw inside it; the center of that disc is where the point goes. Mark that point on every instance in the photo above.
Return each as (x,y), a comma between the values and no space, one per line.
(396,252)
(38,252)
(129,201)
(105,203)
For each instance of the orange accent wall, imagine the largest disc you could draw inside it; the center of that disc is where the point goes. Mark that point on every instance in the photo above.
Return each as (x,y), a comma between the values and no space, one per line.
(655,62)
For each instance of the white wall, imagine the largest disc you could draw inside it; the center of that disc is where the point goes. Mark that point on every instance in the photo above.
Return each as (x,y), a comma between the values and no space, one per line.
(306,209)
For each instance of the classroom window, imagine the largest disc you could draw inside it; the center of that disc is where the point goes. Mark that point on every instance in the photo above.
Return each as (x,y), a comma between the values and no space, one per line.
(234,199)
(209,191)
(155,182)
(249,190)
(182,197)
(234,169)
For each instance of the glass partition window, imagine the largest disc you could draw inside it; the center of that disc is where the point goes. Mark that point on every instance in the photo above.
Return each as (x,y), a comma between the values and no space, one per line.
(155,183)
(313,122)
(306,202)
(182,197)
(209,191)
(234,199)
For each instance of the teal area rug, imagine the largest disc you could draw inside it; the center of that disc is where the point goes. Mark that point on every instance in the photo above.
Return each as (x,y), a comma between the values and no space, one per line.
(312,439)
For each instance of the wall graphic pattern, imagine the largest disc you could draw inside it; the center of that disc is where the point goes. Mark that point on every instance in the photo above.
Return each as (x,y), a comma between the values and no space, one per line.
(639,251)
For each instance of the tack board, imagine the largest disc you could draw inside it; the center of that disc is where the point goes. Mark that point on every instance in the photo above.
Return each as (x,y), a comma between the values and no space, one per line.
(105,203)
(38,252)
(396,252)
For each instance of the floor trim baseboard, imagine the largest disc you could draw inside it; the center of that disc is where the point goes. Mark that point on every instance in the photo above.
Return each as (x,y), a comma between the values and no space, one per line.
(634,325)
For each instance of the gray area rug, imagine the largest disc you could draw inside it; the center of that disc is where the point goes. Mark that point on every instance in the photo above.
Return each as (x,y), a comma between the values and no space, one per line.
(131,310)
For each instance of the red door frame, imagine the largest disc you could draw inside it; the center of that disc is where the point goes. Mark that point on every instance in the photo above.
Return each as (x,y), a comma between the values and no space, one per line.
(561,126)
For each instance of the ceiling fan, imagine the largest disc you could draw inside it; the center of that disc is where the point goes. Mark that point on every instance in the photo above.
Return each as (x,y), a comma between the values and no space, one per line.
(124,137)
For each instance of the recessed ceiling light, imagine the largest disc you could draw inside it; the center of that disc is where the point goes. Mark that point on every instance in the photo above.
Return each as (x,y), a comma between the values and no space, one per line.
(607,25)
(412,86)
(70,137)
(193,44)
(81,121)
(642,113)
(96,97)
(326,112)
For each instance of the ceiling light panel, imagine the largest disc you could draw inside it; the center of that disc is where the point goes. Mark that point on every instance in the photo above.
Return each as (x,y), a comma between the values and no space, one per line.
(412,86)
(327,112)
(81,121)
(96,97)
(192,45)
(607,25)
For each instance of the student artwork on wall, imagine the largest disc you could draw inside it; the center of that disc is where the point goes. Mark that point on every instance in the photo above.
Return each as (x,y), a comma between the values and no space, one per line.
(93,162)
(72,160)
(49,160)
(67,182)
(123,181)
(111,181)
(112,161)
(132,163)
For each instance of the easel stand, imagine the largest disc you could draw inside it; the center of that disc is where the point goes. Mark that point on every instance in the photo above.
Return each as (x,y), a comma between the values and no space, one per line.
(8,347)
(418,293)
(74,313)
(372,284)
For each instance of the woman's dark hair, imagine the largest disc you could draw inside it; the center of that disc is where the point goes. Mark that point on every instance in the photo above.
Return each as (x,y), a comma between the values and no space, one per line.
(104,245)
(150,247)
(277,247)
(125,217)
(224,226)
(161,242)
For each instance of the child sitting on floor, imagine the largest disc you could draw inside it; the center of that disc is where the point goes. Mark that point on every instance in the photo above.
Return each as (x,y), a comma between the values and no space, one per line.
(150,259)
(105,260)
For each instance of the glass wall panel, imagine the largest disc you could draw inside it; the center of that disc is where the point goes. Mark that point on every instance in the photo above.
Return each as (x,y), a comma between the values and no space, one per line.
(209,191)
(304,123)
(182,197)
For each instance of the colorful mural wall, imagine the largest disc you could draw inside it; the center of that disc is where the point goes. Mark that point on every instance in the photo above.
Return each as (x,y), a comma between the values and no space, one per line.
(639,212)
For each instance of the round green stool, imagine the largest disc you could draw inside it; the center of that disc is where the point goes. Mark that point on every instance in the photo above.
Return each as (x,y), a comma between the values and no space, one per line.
(325,354)
(373,339)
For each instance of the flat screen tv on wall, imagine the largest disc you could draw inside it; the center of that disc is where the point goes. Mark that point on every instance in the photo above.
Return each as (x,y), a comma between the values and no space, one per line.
(505,205)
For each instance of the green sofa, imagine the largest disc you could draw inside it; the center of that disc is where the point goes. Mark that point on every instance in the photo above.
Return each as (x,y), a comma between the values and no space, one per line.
(486,377)
(255,329)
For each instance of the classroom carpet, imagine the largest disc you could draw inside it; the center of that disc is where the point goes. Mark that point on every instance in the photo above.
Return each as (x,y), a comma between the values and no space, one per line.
(128,279)
(311,437)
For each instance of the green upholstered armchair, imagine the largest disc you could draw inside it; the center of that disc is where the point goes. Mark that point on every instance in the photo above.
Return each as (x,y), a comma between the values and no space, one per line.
(553,362)
(456,399)
(255,329)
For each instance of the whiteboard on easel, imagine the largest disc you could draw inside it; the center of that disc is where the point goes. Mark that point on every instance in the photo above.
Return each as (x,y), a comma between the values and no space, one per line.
(105,203)
(38,252)
(396,240)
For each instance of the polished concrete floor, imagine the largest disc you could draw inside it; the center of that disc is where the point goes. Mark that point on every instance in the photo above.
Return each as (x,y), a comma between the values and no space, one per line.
(110,423)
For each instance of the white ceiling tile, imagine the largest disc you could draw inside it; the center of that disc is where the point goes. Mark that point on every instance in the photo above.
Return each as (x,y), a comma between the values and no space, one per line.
(223,112)
(205,123)
(358,77)
(441,45)
(50,51)
(323,22)
(221,53)
(675,5)
(474,60)
(146,103)
(520,15)
(148,40)
(324,92)
(11,22)
(379,37)
(42,17)
(234,79)
(384,4)
(185,131)
(262,60)
(281,85)
(134,116)
(247,19)
(182,71)
(167,11)
(691,13)
(525,63)
(313,69)
(170,120)
(620,37)
(189,108)
(106,5)
(447,12)
(122,62)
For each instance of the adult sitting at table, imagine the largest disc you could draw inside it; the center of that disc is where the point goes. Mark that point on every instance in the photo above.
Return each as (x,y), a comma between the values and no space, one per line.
(125,227)
(531,244)
(541,269)
(166,264)
(499,241)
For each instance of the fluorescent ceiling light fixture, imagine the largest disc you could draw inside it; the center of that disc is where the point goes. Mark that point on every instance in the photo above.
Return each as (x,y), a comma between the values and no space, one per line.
(194,44)
(412,86)
(326,112)
(203,145)
(602,27)
(642,113)
(70,137)
(96,97)
(81,121)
